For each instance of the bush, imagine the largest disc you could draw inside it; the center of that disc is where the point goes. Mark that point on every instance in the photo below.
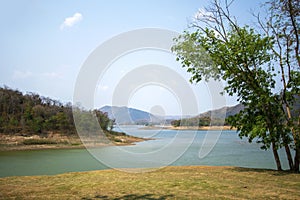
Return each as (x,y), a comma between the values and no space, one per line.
(38,141)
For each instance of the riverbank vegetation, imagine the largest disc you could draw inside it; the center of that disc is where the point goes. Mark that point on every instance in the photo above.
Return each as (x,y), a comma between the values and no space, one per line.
(194,182)
(32,121)
(199,122)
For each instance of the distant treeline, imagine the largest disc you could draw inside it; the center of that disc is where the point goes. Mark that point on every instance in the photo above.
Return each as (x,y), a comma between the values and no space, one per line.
(199,121)
(31,113)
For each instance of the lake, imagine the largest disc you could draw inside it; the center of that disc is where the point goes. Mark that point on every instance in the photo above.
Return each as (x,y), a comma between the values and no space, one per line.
(178,148)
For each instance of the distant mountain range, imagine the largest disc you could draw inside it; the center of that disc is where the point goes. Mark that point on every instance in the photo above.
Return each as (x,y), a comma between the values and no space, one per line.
(125,115)
(224,111)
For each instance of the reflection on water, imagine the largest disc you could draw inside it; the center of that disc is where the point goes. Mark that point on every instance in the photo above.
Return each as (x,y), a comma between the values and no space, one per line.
(230,150)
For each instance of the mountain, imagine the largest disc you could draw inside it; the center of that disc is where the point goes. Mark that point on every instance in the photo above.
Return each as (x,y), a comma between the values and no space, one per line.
(125,115)
(219,113)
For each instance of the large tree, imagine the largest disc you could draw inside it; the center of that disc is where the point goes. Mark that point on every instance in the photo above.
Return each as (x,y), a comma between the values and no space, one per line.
(219,48)
(282,23)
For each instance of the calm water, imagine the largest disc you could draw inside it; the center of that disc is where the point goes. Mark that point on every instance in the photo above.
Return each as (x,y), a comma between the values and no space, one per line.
(229,150)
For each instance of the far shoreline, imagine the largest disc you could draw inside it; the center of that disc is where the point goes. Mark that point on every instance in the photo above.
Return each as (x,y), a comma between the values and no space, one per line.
(201,128)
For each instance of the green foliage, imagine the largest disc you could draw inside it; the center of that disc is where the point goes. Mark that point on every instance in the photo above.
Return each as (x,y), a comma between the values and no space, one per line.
(114,133)
(103,119)
(240,61)
(38,141)
(175,123)
(198,121)
(91,121)
(33,114)
(194,57)
(246,60)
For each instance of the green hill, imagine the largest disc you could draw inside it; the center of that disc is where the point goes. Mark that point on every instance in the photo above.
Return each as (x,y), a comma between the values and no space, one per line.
(30,119)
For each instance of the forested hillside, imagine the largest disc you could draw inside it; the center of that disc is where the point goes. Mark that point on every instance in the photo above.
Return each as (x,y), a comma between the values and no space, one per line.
(30,113)
(210,118)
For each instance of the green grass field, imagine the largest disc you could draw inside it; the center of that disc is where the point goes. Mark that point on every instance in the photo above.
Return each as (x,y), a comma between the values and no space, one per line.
(168,183)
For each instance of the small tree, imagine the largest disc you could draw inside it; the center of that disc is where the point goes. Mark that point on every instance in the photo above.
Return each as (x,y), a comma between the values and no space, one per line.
(175,123)
(103,119)
(112,123)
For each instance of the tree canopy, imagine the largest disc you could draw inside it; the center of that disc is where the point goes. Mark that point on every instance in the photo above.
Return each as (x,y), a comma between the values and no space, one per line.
(31,113)
(247,59)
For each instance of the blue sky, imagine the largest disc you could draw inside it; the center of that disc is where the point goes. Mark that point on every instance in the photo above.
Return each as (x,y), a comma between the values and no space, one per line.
(44,43)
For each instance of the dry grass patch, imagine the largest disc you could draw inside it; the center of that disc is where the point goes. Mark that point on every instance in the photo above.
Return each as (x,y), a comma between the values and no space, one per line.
(168,183)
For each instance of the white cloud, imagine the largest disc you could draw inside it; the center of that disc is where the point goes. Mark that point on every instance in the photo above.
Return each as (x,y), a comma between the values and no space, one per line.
(71,21)
(203,14)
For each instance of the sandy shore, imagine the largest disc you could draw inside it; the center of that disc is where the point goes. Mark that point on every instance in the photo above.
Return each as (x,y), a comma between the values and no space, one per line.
(57,141)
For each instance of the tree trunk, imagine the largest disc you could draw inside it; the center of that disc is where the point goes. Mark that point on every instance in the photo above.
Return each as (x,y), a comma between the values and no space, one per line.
(296,160)
(295,136)
(276,156)
(289,156)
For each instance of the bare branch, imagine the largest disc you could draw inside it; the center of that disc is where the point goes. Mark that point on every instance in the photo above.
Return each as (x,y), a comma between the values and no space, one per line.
(292,15)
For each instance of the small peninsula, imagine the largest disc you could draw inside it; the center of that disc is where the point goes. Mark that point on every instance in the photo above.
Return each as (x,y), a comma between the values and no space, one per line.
(30,121)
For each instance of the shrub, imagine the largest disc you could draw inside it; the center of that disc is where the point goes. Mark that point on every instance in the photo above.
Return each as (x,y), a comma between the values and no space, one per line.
(38,141)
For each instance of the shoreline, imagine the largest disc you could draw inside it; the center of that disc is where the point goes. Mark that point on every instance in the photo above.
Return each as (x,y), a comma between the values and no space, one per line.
(57,141)
(202,128)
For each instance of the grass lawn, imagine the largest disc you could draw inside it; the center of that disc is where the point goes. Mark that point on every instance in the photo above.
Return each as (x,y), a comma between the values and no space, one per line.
(191,182)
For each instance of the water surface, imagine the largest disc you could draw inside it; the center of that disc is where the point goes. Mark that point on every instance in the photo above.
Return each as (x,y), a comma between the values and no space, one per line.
(229,150)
